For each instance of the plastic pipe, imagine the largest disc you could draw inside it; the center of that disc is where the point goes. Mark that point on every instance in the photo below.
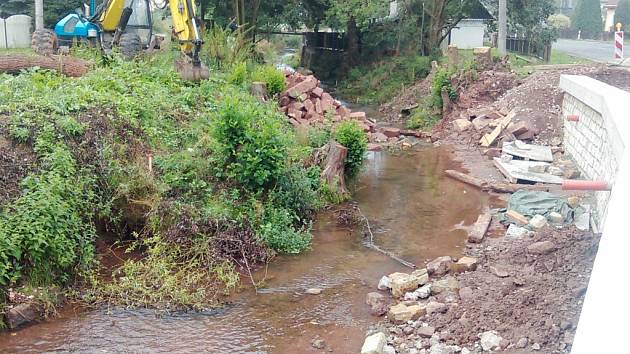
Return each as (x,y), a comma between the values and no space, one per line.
(582,185)
(573,118)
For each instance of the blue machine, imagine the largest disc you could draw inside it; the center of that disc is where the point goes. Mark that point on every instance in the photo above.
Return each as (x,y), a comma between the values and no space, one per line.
(77,26)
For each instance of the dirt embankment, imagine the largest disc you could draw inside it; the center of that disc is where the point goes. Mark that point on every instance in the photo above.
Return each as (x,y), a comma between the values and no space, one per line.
(523,294)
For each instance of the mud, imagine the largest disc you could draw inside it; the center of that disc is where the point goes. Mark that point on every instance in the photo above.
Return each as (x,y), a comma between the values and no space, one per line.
(416,211)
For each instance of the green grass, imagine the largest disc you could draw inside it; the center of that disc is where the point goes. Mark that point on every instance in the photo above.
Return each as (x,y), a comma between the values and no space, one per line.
(378,82)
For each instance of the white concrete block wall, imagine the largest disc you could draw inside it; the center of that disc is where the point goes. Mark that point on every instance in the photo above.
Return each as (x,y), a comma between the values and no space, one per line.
(598,143)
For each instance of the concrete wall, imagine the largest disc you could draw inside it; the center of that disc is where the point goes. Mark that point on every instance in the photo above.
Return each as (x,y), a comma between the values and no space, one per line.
(598,143)
(15,32)
(468,34)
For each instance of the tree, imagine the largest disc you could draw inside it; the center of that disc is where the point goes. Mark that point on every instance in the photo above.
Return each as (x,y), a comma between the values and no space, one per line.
(622,14)
(588,18)
(54,10)
(15,7)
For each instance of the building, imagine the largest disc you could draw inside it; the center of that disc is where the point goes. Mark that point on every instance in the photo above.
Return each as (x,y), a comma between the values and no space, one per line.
(608,14)
(470,32)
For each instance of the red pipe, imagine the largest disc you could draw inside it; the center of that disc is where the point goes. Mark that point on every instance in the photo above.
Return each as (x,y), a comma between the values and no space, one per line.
(573,118)
(582,185)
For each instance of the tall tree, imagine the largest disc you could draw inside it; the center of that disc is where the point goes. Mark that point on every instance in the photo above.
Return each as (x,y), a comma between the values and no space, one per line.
(587,18)
(622,14)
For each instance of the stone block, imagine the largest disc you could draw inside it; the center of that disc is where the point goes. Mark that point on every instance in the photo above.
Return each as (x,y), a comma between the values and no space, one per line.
(402,313)
(461,125)
(391,132)
(374,344)
(439,266)
(465,264)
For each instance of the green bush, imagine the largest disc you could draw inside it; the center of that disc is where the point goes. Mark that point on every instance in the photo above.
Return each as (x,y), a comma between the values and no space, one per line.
(251,147)
(421,118)
(277,230)
(350,135)
(442,79)
(272,77)
(238,74)
(47,232)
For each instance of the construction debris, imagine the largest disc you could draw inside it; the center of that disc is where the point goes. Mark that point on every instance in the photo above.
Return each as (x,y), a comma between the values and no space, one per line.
(528,151)
(516,170)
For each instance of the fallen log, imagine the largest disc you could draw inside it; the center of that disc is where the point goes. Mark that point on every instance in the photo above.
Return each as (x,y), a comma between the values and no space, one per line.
(333,173)
(497,187)
(69,66)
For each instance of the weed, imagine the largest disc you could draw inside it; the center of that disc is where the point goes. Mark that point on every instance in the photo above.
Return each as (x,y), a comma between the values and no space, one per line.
(442,81)
(350,135)
(272,77)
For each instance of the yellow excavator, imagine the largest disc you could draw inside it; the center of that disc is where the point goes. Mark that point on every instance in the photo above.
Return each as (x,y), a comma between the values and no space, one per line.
(128,26)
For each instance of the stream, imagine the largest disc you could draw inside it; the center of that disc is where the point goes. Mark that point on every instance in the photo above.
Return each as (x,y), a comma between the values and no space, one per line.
(415,212)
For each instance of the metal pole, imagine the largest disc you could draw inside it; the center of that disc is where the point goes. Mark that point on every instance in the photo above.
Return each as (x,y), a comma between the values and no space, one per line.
(39,14)
(502,26)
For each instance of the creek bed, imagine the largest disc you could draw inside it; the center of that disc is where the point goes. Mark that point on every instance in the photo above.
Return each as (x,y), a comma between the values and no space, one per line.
(415,212)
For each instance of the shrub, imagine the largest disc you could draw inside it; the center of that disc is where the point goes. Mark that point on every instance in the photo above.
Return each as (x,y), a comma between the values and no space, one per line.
(238,74)
(272,77)
(225,47)
(350,135)
(559,21)
(278,232)
(442,79)
(251,149)
(421,118)
(48,230)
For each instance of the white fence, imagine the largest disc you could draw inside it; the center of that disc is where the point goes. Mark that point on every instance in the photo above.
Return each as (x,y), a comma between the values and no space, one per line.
(15,32)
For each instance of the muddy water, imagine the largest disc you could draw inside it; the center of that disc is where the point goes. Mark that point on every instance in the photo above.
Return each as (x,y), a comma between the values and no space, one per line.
(414,211)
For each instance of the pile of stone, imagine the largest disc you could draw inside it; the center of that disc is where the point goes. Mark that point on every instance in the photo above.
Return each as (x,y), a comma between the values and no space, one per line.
(305,103)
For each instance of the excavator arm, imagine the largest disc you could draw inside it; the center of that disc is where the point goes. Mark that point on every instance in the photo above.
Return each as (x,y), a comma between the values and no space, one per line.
(187,31)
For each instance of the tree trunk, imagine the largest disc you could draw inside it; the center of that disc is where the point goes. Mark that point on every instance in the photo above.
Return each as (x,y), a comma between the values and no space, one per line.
(333,173)
(352,51)
(66,65)
(259,90)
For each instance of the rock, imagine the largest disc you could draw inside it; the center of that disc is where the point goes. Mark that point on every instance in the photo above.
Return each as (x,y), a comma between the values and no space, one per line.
(318,343)
(379,137)
(439,266)
(582,220)
(421,275)
(555,141)
(542,247)
(402,313)
(490,340)
(556,217)
(505,158)
(522,343)
(570,173)
(391,132)
(564,325)
(317,92)
(374,147)
(357,115)
(555,170)
(499,272)
(374,344)
(445,284)
(313,291)
(377,303)
(22,314)
(408,330)
(516,232)
(573,202)
(462,124)
(466,293)
(465,264)
(388,349)
(424,291)
(535,346)
(425,332)
(436,307)
(480,123)
(401,283)
(410,296)
(492,152)
(384,283)
(537,222)
(465,351)
(520,128)
(516,217)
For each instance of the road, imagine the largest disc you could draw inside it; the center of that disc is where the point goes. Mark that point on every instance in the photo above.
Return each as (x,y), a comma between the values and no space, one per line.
(593,50)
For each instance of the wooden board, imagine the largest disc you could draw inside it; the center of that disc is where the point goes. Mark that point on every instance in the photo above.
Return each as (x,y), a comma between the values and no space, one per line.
(489,138)
(528,151)
(519,170)
(479,228)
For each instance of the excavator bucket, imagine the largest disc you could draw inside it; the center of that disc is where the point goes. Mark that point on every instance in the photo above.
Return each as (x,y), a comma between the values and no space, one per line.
(187,70)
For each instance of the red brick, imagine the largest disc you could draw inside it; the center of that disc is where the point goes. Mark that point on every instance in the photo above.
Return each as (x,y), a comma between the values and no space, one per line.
(391,132)
(309,105)
(357,115)
(294,113)
(343,111)
(318,91)
(318,106)
(305,86)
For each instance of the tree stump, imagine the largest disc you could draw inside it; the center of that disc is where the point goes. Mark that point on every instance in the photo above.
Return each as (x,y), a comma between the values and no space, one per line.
(453,56)
(259,90)
(333,173)
(69,66)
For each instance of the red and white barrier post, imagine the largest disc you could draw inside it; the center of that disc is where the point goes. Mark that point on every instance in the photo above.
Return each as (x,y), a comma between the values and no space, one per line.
(619,42)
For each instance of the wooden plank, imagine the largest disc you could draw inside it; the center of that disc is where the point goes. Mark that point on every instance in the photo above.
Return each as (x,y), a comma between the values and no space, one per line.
(528,151)
(519,170)
(489,138)
(480,227)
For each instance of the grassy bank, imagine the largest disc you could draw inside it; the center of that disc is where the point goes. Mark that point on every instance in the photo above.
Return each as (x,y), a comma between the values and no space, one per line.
(378,82)
(202,179)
